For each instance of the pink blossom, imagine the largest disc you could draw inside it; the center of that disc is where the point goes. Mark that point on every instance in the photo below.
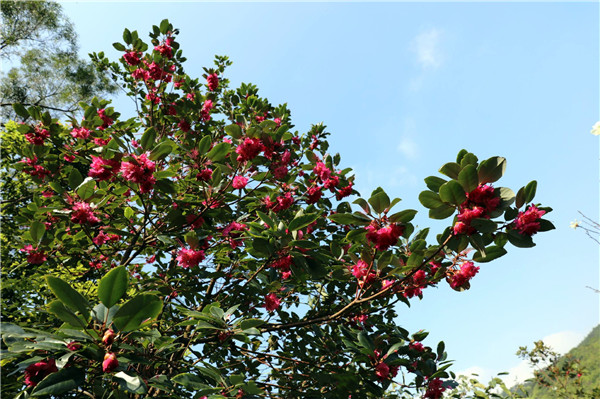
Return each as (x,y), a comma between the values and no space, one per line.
(106,120)
(272,302)
(283,202)
(314,194)
(382,371)
(205,111)
(38,136)
(434,389)
(36,372)
(528,222)
(140,74)
(277,121)
(280,172)
(484,196)
(194,221)
(239,182)
(184,125)
(80,133)
(100,239)
(132,57)
(82,213)
(103,169)
(187,258)
(102,142)
(73,346)
(384,237)
(249,149)
(34,256)
(467,271)
(416,346)
(140,170)
(204,175)
(165,50)
(212,81)
(322,171)
(344,192)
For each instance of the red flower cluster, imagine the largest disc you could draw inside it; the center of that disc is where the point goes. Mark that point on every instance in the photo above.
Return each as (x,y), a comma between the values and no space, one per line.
(272,302)
(205,111)
(212,81)
(384,237)
(239,182)
(106,120)
(34,256)
(140,170)
(528,222)
(189,257)
(80,133)
(103,169)
(36,372)
(283,265)
(479,203)
(467,271)
(33,169)
(248,149)
(38,136)
(434,389)
(83,214)
(362,274)
(383,371)
(132,57)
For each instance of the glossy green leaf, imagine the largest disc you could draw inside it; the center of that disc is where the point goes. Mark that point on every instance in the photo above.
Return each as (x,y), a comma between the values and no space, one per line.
(349,219)
(441,212)
(219,152)
(136,311)
(112,286)
(161,151)
(300,222)
(491,253)
(67,295)
(234,130)
(75,178)
(433,183)
(204,145)
(21,111)
(119,47)
(451,169)
(86,189)
(130,383)
(519,240)
(148,138)
(468,178)
(430,200)
(64,380)
(484,225)
(526,194)
(404,216)
(58,309)
(491,169)
(37,230)
(379,201)
(250,323)
(452,192)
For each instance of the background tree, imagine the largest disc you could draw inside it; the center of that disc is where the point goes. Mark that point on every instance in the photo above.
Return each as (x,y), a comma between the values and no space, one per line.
(40,44)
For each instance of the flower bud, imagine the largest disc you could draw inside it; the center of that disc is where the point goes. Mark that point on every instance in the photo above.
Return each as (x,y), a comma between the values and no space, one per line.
(109,337)
(110,362)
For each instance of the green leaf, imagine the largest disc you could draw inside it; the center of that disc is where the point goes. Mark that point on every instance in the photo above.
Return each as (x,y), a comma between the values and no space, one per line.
(148,138)
(130,383)
(119,47)
(21,111)
(127,36)
(519,240)
(75,178)
(451,169)
(62,381)
(164,26)
(404,216)
(452,192)
(366,341)
(204,145)
(67,295)
(250,323)
(103,315)
(218,152)
(160,151)
(526,194)
(348,219)
(441,212)
(491,253)
(379,201)
(86,189)
(37,230)
(363,204)
(129,212)
(433,183)
(234,130)
(302,221)
(484,225)
(112,286)
(166,186)
(134,312)
(58,309)
(193,382)
(491,169)
(468,178)
(430,200)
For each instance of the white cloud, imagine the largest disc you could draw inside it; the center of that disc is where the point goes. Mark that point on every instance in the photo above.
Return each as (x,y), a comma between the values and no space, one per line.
(426,45)
(408,147)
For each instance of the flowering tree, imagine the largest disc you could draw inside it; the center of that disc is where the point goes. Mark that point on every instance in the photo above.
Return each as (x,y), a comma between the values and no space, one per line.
(205,249)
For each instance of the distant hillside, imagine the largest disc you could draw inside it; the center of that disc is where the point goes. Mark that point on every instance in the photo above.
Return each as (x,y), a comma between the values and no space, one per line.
(588,353)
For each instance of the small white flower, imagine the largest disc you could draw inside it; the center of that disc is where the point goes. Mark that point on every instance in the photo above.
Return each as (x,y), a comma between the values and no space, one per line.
(574,224)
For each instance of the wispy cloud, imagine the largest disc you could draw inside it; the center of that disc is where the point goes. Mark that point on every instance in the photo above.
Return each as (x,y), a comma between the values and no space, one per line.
(407,145)
(427,47)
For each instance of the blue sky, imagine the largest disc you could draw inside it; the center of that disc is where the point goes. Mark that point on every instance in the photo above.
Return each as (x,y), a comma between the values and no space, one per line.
(402,88)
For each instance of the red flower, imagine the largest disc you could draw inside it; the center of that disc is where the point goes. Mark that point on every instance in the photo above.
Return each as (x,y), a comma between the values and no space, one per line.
(36,372)
(109,337)
(528,222)
(435,389)
(205,111)
(467,271)
(80,133)
(110,362)
(248,149)
(384,237)
(106,120)
(140,170)
(382,371)
(34,257)
(212,81)
(314,194)
(189,257)
(103,169)
(132,57)
(239,182)
(272,302)
(38,136)
(82,213)
(73,346)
